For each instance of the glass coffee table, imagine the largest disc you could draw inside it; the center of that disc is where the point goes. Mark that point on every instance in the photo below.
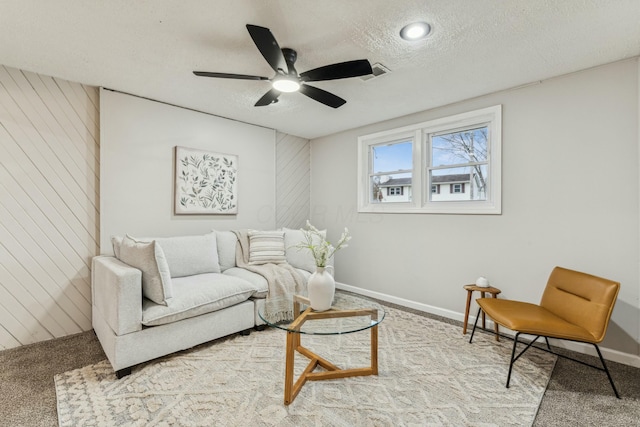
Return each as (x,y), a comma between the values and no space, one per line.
(346,315)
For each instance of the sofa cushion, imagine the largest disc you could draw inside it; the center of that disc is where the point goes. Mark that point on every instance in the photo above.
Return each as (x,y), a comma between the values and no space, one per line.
(297,257)
(186,255)
(196,295)
(262,287)
(149,258)
(266,247)
(190,255)
(226,242)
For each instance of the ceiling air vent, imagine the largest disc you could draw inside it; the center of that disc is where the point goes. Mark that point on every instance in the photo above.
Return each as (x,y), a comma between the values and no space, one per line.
(378,70)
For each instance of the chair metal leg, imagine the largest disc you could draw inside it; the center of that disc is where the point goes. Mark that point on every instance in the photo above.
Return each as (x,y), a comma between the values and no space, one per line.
(527,348)
(604,365)
(513,358)
(474,325)
(548,350)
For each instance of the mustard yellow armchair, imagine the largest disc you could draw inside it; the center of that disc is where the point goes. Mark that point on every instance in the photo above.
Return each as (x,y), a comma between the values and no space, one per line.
(575,306)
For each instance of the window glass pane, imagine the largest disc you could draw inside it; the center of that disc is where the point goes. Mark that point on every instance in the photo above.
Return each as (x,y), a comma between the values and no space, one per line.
(468,146)
(463,183)
(392,157)
(393,188)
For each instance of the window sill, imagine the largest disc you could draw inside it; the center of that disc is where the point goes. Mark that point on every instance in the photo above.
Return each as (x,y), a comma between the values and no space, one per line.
(453,208)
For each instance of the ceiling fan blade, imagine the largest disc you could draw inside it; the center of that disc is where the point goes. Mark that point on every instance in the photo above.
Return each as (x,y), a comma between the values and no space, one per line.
(268,47)
(342,70)
(268,98)
(228,76)
(322,96)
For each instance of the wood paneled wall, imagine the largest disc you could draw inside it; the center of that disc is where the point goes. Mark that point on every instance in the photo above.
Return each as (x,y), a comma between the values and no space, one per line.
(293,161)
(49,202)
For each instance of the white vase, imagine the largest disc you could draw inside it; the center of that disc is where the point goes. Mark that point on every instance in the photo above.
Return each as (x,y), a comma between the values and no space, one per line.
(321,288)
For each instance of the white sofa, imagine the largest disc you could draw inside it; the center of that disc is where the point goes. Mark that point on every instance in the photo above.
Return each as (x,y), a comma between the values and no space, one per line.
(210,297)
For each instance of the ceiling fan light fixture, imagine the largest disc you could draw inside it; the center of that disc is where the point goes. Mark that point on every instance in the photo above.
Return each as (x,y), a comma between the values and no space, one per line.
(415,31)
(286,85)
(287,78)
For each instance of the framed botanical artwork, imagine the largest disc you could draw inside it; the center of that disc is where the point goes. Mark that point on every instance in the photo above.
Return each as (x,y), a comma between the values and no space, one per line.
(205,182)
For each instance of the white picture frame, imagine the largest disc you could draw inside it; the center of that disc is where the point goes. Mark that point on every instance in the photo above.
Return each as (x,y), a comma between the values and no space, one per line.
(206,183)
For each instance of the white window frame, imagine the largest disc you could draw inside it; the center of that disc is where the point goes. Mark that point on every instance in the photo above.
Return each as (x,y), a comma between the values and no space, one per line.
(366,168)
(419,134)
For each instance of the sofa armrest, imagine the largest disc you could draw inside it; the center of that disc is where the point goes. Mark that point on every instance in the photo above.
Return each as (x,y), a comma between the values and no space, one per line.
(116,291)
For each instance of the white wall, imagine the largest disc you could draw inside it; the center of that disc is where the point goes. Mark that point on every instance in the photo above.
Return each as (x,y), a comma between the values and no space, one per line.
(137,163)
(564,142)
(49,168)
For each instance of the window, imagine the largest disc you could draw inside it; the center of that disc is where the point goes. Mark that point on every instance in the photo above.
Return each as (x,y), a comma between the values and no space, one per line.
(456,160)
(460,156)
(390,168)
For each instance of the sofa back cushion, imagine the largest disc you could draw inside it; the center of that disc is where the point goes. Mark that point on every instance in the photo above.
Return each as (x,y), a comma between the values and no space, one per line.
(185,255)
(301,258)
(190,255)
(227,242)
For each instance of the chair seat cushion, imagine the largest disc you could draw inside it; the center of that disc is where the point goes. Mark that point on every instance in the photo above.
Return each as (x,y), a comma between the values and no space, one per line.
(196,295)
(532,319)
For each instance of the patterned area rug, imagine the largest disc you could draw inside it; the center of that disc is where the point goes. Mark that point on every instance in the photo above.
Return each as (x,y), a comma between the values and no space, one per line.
(428,375)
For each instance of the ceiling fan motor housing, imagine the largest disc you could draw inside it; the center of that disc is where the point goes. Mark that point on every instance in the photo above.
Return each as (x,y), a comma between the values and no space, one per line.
(290,57)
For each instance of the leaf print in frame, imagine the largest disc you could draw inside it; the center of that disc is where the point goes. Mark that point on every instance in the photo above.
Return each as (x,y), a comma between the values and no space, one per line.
(205,182)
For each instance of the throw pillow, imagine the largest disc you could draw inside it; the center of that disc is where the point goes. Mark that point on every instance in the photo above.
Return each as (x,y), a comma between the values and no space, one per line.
(266,247)
(148,258)
(116,242)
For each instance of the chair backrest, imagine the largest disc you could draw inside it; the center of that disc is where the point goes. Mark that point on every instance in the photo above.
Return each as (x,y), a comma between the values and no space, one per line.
(581,299)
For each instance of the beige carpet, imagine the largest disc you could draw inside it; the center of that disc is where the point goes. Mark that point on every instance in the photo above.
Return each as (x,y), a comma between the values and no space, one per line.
(429,375)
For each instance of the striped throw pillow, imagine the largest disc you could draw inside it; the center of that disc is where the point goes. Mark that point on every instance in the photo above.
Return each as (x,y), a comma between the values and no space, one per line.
(266,247)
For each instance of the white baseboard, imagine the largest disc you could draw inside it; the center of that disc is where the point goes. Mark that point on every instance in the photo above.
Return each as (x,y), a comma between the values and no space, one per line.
(607,353)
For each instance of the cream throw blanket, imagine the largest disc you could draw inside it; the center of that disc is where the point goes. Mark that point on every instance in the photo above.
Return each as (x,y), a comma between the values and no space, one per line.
(283,281)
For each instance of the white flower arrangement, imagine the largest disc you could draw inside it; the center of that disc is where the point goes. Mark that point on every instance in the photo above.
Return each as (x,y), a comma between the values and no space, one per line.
(320,248)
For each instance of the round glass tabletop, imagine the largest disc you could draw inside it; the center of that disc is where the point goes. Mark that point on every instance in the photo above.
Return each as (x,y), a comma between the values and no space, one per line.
(347,314)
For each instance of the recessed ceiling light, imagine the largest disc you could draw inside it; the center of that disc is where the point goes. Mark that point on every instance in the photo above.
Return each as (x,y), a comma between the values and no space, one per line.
(415,31)
(286,84)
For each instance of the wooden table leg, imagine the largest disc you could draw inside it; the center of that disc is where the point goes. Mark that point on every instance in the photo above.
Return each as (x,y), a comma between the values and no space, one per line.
(483,315)
(288,370)
(466,313)
(374,346)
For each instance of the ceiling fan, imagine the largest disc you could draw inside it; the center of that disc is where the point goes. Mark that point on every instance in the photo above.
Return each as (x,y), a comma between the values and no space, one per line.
(287,78)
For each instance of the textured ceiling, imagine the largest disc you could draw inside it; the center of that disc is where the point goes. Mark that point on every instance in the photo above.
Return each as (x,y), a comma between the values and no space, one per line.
(149,48)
